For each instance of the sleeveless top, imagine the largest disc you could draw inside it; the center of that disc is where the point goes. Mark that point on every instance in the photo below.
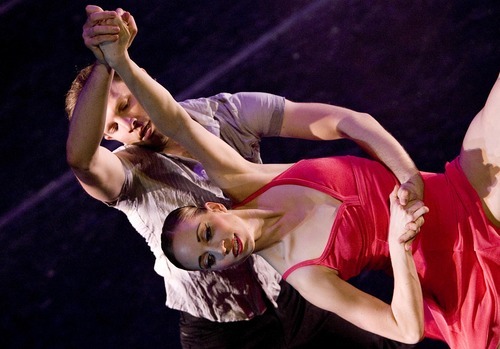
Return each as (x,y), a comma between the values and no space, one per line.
(457,252)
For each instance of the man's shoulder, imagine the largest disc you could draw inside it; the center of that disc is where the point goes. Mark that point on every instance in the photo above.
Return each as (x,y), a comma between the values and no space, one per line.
(147,159)
(134,154)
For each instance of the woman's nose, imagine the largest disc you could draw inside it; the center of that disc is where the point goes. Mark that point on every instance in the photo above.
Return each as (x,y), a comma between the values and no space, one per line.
(220,248)
(224,247)
(227,246)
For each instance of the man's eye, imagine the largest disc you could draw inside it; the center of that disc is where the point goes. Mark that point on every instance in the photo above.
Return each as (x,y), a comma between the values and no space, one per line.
(123,106)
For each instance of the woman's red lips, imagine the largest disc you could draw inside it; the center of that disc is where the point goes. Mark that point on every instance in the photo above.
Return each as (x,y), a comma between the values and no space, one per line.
(237,246)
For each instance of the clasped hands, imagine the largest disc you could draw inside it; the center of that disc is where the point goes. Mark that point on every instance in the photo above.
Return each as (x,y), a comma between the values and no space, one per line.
(407,211)
(102,27)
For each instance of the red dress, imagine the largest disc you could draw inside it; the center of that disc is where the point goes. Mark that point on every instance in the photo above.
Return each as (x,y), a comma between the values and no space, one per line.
(457,252)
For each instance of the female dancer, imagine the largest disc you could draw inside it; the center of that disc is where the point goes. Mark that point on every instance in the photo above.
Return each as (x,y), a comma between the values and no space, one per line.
(323,221)
(320,222)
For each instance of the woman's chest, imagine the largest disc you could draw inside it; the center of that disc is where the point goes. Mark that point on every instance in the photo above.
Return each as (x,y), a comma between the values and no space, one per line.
(304,227)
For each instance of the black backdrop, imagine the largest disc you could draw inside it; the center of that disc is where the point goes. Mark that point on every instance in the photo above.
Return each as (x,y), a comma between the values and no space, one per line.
(73,273)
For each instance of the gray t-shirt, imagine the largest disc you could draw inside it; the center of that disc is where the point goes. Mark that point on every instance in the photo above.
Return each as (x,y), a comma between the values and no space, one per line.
(157,183)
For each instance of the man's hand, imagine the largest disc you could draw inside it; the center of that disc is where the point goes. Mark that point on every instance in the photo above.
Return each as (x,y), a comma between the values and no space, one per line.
(412,189)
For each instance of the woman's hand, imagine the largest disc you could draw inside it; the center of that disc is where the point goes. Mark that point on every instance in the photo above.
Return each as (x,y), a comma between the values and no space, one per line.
(407,300)
(405,220)
(97,29)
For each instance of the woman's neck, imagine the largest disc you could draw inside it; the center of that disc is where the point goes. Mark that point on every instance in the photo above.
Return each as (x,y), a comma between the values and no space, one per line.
(264,225)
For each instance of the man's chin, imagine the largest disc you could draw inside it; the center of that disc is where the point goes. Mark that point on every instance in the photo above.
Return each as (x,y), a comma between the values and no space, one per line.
(149,145)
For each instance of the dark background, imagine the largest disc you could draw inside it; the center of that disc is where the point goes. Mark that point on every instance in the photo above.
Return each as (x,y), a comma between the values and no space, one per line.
(73,273)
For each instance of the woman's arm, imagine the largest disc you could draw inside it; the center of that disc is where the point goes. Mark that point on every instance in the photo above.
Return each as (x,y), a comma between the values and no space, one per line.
(407,300)
(236,176)
(403,319)
(324,288)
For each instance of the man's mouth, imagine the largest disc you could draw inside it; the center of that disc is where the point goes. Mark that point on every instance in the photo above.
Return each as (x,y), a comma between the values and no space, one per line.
(145,131)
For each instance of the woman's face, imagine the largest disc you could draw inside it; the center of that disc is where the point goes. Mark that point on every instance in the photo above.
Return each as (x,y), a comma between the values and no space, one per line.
(213,240)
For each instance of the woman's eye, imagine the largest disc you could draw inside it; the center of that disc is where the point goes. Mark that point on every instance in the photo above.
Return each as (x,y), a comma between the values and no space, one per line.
(210,261)
(208,232)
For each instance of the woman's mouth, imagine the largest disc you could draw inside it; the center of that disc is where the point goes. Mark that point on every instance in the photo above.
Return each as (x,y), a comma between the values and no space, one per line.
(237,246)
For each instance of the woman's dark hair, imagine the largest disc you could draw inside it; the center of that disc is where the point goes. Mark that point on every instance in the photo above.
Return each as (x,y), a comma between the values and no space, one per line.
(170,225)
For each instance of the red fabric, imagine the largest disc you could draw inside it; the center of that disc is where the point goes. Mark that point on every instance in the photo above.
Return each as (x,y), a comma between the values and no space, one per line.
(457,251)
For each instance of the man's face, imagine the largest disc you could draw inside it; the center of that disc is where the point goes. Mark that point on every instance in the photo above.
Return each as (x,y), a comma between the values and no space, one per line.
(127,122)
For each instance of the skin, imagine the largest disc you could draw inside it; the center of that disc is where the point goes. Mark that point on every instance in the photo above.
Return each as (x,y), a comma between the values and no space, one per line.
(479,158)
(217,239)
(220,238)
(277,220)
(107,109)
(480,154)
(402,319)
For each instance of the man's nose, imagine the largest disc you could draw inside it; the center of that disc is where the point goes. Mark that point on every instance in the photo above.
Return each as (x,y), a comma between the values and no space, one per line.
(129,123)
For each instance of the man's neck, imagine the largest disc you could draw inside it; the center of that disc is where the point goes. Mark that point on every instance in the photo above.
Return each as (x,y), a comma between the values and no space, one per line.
(175,148)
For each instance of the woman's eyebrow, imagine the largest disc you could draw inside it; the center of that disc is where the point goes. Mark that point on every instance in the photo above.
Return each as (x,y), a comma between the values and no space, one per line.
(197,232)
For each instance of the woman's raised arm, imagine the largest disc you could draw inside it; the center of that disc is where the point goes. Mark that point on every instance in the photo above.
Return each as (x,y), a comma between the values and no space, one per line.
(231,172)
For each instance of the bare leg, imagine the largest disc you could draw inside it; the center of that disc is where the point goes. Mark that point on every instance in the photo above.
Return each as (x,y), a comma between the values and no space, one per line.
(480,154)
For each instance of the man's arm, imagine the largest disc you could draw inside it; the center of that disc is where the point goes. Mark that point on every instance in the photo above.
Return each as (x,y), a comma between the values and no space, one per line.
(224,165)
(319,121)
(99,171)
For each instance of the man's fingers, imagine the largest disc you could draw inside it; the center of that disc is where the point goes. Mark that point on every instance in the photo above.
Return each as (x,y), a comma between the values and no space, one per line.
(403,195)
(394,194)
(92,9)
(408,236)
(413,226)
(132,26)
(98,17)
(417,212)
(419,222)
(107,29)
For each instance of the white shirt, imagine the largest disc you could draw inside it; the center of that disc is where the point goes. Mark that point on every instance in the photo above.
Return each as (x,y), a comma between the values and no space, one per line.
(157,183)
